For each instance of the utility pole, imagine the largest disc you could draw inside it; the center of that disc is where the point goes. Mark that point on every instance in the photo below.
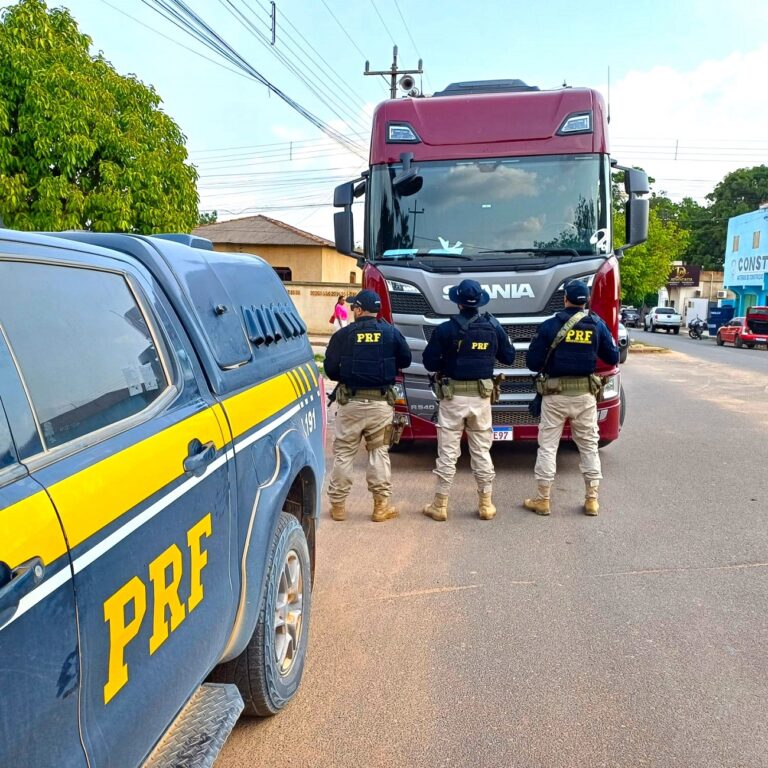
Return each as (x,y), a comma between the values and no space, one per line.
(415,212)
(406,83)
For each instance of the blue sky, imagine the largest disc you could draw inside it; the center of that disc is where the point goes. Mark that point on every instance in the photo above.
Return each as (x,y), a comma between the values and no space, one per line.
(685,97)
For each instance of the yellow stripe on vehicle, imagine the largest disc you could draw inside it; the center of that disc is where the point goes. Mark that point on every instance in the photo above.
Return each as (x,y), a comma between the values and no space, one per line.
(28,529)
(306,379)
(259,403)
(311,369)
(100,494)
(294,383)
(299,382)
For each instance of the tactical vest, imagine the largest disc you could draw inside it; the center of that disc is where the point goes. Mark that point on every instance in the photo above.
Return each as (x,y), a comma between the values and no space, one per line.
(368,357)
(576,355)
(475,348)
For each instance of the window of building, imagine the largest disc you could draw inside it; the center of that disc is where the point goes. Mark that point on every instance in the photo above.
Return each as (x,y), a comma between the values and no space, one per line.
(352,278)
(735,243)
(756,239)
(284,273)
(82,344)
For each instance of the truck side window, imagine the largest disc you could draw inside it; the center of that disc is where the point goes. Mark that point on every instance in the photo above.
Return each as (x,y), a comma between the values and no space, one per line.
(82,345)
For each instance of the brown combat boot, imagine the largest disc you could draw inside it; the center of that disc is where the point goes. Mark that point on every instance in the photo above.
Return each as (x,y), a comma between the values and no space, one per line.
(338,510)
(540,502)
(485,505)
(591,505)
(438,509)
(382,510)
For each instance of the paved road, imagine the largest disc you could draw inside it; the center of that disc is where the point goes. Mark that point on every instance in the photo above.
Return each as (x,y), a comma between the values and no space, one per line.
(705,349)
(637,638)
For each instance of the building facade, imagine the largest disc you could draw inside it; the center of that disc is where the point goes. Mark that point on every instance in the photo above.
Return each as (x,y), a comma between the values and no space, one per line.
(745,266)
(296,255)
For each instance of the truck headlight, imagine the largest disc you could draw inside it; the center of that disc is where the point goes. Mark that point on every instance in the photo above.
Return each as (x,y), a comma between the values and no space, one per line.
(612,387)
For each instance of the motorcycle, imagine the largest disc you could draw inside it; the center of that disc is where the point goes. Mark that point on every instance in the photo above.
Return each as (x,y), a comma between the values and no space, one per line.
(696,328)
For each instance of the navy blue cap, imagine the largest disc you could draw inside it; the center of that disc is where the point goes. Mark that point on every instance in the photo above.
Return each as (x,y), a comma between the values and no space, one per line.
(577,292)
(368,301)
(469,293)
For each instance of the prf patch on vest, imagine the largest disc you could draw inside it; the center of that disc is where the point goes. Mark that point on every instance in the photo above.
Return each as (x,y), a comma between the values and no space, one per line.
(367,338)
(578,337)
(480,345)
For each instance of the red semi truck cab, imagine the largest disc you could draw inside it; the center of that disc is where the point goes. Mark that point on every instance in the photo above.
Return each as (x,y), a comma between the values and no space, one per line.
(506,184)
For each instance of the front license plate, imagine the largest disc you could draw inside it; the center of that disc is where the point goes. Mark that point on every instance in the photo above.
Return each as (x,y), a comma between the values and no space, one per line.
(503,433)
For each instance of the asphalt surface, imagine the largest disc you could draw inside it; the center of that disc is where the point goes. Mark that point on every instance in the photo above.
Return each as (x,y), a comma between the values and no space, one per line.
(637,638)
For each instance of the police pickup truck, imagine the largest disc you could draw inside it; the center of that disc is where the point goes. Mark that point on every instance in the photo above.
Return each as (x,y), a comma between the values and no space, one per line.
(161,463)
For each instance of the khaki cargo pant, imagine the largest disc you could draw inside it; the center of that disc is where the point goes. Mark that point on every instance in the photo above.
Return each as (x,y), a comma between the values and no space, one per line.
(581,410)
(357,420)
(473,414)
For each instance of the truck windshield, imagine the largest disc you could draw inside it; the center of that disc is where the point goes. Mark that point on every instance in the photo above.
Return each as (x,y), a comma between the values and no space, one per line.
(507,209)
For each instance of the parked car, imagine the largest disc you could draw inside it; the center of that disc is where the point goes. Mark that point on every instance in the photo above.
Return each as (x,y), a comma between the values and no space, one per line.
(745,331)
(161,465)
(623,343)
(664,318)
(630,317)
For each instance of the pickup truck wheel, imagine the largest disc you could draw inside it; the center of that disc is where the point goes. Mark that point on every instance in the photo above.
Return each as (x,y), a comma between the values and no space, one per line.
(719,340)
(676,331)
(653,328)
(738,342)
(269,670)
(623,354)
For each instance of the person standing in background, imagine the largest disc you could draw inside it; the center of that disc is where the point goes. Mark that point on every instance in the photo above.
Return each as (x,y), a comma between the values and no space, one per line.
(340,317)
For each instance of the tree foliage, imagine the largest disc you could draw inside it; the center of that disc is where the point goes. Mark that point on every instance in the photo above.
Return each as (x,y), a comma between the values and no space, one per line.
(207,217)
(80,145)
(645,268)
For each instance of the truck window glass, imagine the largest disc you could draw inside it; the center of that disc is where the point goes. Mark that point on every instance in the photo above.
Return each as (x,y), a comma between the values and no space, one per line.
(475,206)
(7,457)
(82,345)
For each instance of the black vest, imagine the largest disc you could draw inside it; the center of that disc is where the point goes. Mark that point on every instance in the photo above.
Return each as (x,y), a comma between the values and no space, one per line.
(368,356)
(576,355)
(476,346)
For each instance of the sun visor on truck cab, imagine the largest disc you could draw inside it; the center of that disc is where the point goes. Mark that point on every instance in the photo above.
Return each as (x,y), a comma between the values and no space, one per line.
(524,116)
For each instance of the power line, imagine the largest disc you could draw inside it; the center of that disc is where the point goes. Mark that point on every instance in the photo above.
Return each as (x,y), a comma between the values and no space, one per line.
(410,37)
(193,25)
(383,23)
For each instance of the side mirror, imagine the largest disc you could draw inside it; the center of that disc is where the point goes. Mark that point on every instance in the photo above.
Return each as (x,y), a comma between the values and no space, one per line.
(343,231)
(408,182)
(343,195)
(636,184)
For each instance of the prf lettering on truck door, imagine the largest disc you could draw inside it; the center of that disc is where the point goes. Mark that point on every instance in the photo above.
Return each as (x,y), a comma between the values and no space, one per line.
(126,609)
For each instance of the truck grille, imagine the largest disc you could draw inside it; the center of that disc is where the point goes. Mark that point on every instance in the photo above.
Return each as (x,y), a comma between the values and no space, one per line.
(519,334)
(417,304)
(517,385)
(410,304)
(519,362)
(504,417)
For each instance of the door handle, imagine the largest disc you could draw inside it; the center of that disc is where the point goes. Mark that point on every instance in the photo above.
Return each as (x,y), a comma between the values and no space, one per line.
(17,582)
(199,457)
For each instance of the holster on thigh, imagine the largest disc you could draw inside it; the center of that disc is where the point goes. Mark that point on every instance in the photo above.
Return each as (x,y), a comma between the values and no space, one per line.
(376,440)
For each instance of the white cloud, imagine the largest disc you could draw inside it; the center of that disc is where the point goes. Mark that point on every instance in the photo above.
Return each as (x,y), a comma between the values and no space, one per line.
(689,128)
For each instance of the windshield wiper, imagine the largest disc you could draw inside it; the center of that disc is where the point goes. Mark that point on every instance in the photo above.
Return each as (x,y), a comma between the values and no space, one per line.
(544,251)
(407,255)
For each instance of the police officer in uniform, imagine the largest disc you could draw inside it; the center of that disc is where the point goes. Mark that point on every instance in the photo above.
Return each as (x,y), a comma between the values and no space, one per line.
(364,358)
(570,390)
(463,351)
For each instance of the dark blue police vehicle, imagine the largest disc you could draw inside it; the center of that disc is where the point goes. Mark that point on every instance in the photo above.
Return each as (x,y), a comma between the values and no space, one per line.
(161,463)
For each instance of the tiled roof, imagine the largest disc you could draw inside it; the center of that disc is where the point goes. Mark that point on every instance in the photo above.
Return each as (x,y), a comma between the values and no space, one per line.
(258,230)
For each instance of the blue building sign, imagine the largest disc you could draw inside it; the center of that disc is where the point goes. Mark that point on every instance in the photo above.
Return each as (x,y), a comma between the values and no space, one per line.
(745,267)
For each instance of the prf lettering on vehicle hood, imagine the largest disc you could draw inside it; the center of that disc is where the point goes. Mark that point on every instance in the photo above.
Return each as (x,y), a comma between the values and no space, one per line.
(502,291)
(165,591)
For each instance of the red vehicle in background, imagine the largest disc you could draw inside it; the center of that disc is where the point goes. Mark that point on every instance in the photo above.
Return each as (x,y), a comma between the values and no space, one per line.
(506,184)
(745,331)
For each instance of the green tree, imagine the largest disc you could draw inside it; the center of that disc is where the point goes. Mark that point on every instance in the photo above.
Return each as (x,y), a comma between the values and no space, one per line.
(739,192)
(207,217)
(645,268)
(80,145)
